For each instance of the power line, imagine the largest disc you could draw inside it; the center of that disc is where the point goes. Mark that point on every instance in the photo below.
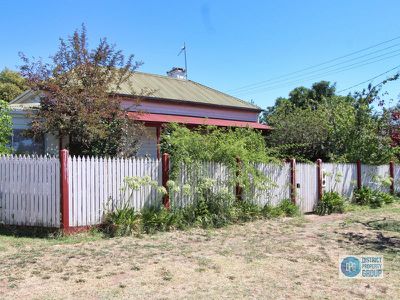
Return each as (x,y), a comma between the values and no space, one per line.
(358,84)
(331,72)
(297,78)
(317,65)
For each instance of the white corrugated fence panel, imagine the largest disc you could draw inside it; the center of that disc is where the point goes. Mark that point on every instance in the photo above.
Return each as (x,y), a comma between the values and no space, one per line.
(397,178)
(278,185)
(306,192)
(372,176)
(341,178)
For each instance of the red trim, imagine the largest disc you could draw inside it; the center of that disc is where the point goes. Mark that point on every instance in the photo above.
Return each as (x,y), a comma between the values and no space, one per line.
(64,189)
(73,230)
(319,179)
(359,180)
(161,118)
(165,177)
(293,185)
(391,172)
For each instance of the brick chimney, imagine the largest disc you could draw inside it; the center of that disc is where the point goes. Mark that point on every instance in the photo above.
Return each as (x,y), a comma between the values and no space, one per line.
(178,73)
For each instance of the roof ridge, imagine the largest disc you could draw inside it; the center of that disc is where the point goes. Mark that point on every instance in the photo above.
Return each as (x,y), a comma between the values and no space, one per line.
(160,76)
(215,90)
(197,83)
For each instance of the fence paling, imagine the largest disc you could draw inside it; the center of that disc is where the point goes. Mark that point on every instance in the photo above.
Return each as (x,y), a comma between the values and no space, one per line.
(29,195)
(97,186)
(30,186)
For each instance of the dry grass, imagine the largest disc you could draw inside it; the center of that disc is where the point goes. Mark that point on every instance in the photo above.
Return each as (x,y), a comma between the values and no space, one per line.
(286,259)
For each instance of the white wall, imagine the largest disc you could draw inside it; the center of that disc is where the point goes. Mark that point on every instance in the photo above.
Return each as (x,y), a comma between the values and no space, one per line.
(184,109)
(21,120)
(148,147)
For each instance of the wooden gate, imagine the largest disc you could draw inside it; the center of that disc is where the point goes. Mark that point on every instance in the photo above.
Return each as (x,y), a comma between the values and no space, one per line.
(306,187)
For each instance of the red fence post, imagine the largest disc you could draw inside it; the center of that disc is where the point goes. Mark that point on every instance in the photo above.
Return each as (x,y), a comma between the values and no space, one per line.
(64,189)
(391,172)
(293,185)
(359,183)
(319,179)
(165,178)
(238,190)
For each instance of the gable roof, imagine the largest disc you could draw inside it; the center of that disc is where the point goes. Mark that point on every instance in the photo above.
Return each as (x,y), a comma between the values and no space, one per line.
(168,88)
(162,88)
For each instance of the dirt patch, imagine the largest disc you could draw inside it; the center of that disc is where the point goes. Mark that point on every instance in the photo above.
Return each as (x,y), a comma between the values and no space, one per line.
(286,258)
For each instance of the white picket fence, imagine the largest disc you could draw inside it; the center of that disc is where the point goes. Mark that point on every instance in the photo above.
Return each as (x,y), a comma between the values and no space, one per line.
(30,191)
(30,186)
(97,185)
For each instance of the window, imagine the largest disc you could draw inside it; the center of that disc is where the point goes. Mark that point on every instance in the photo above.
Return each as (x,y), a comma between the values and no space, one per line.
(23,144)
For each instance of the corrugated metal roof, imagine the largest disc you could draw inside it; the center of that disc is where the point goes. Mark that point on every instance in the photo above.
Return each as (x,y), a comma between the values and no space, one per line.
(164,87)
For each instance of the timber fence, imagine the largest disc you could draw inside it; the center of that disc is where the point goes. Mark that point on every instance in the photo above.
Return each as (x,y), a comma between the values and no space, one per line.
(73,192)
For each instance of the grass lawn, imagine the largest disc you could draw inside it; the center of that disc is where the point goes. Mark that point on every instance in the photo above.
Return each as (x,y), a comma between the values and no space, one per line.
(285,258)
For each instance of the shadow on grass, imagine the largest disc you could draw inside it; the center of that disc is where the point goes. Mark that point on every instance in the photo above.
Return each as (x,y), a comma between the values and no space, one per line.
(375,239)
(32,232)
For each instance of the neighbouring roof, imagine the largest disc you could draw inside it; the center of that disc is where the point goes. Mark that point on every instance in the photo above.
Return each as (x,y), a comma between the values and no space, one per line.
(164,87)
(161,118)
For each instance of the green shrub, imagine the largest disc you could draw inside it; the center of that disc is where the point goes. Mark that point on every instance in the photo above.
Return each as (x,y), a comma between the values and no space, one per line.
(122,221)
(373,198)
(247,211)
(285,209)
(288,208)
(210,210)
(331,202)
(157,219)
(376,200)
(387,198)
(269,211)
(363,196)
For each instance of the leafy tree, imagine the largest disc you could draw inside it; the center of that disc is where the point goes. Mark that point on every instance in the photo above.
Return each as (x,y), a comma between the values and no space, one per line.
(12,84)
(371,135)
(5,127)
(302,97)
(77,96)
(301,134)
(315,123)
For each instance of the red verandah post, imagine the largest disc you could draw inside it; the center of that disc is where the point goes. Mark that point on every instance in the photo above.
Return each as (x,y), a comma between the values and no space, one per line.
(293,180)
(391,174)
(64,189)
(165,177)
(319,179)
(359,183)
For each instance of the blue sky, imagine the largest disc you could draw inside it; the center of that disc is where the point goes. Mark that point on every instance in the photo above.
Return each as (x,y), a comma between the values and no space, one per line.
(230,44)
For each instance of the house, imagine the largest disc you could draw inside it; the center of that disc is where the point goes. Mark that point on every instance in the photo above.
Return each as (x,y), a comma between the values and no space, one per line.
(162,100)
